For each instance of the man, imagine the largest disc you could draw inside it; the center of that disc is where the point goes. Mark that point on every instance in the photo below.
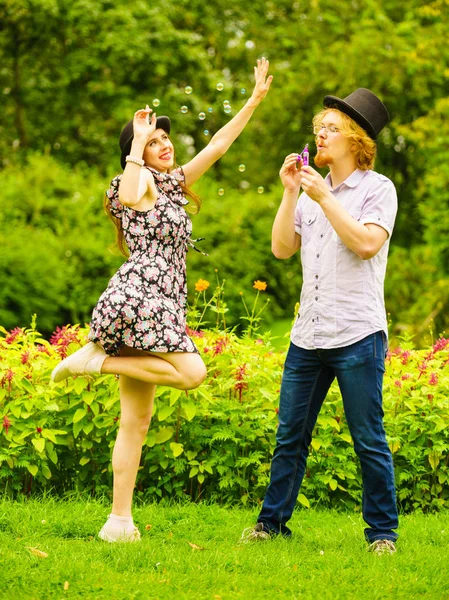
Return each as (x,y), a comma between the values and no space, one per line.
(342,224)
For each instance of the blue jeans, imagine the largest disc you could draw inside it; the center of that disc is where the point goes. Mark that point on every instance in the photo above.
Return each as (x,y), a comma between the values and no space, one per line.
(308,374)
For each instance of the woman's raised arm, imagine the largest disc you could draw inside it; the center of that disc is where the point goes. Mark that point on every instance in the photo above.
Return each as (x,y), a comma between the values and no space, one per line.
(224,137)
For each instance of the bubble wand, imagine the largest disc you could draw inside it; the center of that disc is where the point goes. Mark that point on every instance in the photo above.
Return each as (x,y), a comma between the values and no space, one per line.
(304,156)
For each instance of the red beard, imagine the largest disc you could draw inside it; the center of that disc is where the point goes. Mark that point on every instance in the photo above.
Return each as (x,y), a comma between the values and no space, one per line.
(322,159)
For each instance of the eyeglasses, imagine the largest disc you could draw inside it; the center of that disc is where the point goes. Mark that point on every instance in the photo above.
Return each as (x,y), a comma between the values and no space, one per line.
(327,128)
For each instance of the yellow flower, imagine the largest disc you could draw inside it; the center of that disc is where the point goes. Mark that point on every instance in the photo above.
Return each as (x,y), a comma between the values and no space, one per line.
(260,285)
(201,285)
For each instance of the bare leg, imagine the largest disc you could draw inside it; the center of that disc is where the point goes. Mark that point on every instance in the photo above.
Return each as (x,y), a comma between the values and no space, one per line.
(181,370)
(136,399)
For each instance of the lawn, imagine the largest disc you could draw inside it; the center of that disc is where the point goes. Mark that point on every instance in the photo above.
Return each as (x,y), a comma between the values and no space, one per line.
(192,551)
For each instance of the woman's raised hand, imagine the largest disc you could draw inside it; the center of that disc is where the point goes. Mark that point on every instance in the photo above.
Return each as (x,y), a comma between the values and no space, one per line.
(143,126)
(263,81)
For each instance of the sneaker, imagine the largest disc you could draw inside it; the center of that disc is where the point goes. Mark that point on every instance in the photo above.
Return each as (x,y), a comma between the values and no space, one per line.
(86,361)
(132,535)
(382,547)
(253,534)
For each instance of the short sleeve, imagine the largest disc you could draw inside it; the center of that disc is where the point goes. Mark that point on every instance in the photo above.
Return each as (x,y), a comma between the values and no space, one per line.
(298,214)
(178,174)
(115,205)
(381,205)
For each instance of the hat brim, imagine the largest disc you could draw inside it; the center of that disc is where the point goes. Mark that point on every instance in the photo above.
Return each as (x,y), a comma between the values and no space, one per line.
(161,123)
(339,104)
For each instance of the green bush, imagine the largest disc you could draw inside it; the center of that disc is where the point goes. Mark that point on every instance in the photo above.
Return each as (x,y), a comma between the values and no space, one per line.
(57,251)
(57,245)
(215,442)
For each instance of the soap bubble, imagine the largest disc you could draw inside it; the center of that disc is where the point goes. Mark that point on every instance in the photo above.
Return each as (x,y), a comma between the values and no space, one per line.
(227,109)
(243,91)
(242,168)
(226,103)
(188,89)
(202,116)
(184,109)
(210,109)
(221,192)
(156,102)
(260,189)
(220,87)
(206,132)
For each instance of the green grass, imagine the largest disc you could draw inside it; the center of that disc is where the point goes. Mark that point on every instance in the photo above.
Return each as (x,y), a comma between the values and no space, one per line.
(327,557)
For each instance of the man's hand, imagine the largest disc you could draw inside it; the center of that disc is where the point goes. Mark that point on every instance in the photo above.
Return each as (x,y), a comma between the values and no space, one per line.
(313,184)
(289,174)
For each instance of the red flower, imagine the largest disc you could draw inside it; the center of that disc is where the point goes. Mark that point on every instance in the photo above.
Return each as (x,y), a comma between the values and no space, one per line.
(25,357)
(6,423)
(239,387)
(9,339)
(42,348)
(240,373)
(194,333)
(405,356)
(422,367)
(39,429)
(219,346)
(440,344)
(433,380)
(8,376)
(61,338)
(241,384)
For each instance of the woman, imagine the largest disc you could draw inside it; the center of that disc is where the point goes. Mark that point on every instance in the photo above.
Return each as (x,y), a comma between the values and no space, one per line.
(138,328)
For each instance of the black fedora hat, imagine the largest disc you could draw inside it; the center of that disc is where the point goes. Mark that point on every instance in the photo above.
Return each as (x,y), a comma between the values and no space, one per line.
(364,108)
(127,136)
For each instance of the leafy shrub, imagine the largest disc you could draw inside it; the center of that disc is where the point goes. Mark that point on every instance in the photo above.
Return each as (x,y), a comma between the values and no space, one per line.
(214,442)
(56,244)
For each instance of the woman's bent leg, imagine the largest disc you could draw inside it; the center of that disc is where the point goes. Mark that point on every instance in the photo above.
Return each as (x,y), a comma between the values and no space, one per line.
(181,370)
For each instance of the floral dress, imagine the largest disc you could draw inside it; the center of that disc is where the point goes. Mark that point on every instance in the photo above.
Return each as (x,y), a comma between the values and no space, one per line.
(144,305)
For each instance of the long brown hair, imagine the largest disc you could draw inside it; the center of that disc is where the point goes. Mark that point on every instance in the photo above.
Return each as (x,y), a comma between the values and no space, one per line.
(120,241)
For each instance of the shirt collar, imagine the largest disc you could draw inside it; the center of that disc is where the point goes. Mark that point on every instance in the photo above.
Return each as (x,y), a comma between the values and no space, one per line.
(351,182)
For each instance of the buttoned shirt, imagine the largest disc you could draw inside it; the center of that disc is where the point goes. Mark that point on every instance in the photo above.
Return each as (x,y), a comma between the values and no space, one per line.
(342,296)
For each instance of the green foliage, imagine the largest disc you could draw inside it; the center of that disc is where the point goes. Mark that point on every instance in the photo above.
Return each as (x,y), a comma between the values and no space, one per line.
(214,442)
(55,242)
(57,245)
(73,73)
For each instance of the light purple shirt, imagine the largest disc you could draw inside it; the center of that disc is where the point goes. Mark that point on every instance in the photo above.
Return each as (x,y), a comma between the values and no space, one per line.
(342,296)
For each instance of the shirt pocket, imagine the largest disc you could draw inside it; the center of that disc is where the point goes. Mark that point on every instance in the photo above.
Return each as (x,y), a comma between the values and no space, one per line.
(308,227)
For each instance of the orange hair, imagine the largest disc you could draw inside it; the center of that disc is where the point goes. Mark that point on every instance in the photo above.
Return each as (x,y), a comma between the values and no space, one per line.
(365,147)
